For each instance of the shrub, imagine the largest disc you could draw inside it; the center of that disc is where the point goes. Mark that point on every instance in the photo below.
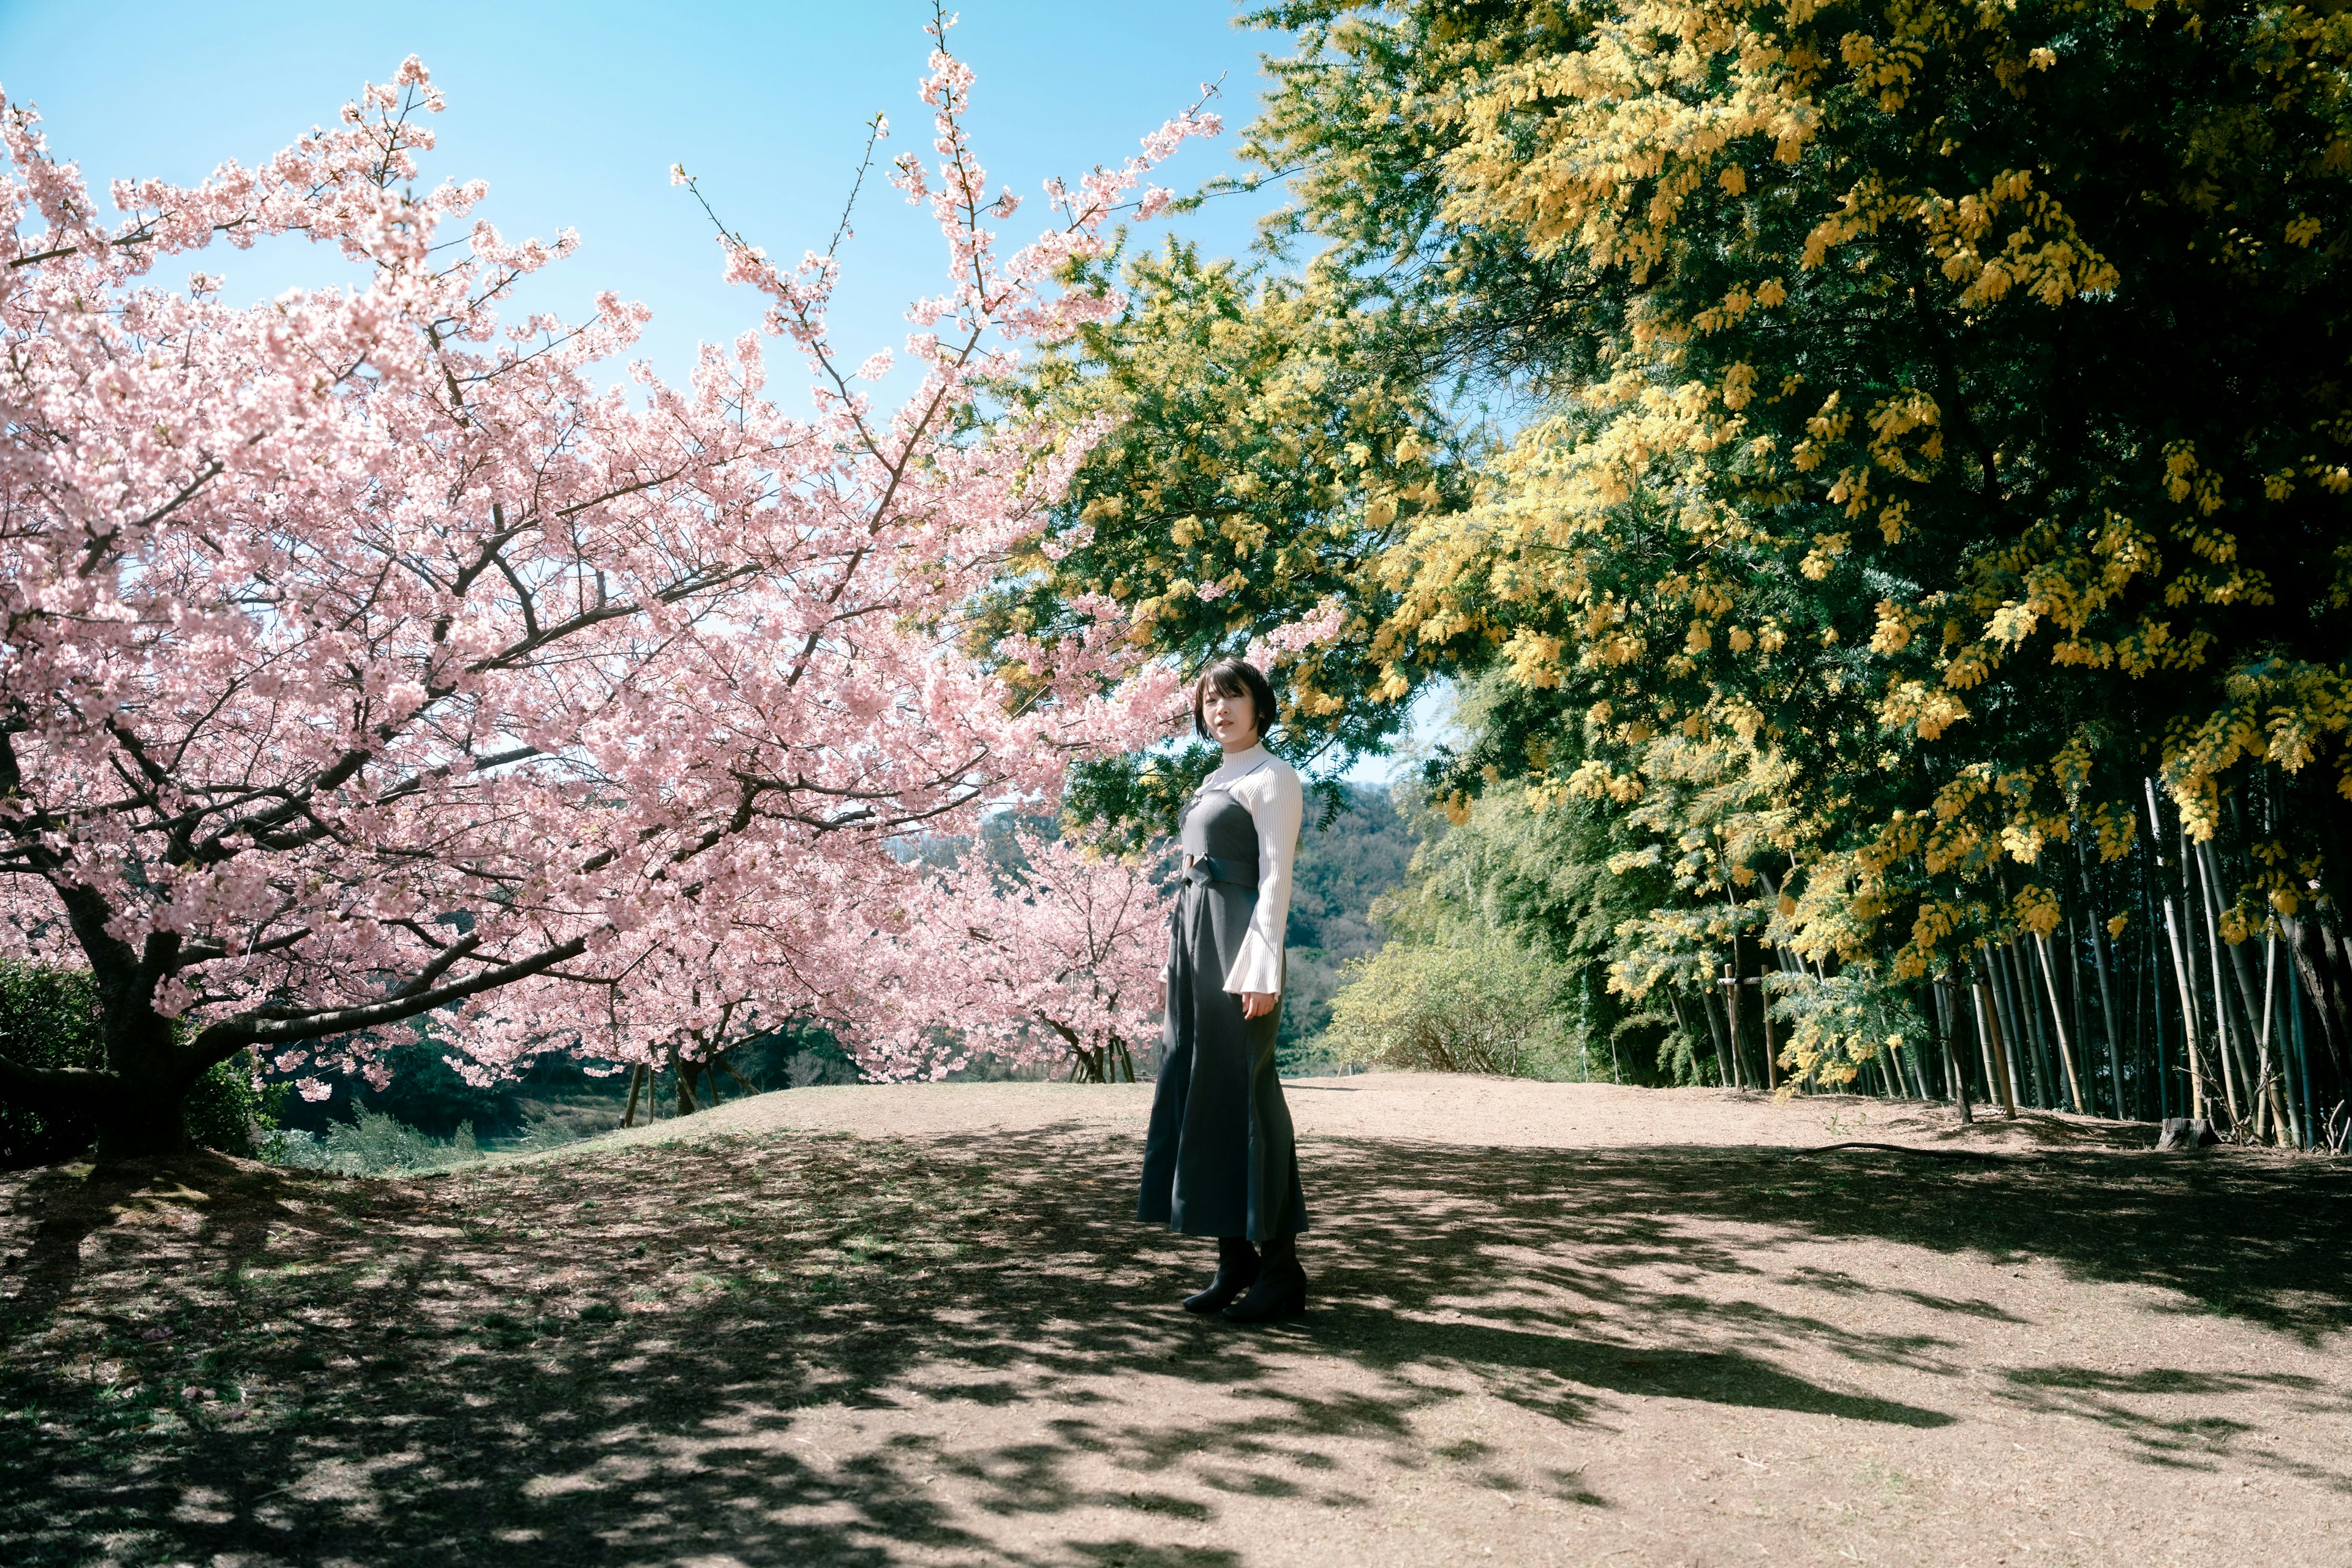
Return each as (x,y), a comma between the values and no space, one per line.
(48,1019)
(1480,1004)
(372,1145)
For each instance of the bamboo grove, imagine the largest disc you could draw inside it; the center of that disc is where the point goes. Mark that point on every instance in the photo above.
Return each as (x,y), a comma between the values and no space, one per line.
(1914,541)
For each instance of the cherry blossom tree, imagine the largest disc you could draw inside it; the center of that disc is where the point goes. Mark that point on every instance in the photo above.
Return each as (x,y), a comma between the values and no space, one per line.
(1054,963)
(368,654)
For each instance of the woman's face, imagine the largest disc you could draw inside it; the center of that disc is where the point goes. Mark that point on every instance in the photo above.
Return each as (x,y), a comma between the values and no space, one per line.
(1232,719)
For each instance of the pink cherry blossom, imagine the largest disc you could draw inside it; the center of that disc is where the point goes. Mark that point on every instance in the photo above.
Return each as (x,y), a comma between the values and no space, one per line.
(1056,966)
(368,654)
(1321,625)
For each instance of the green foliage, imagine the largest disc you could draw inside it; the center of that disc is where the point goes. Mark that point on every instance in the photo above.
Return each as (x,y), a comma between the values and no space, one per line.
(424,1092)
(1466,303)
(228,1111)
(372,1144)
(1256,461)
(1348,857)
(1484,1003)
(1839,1023)
(1940,427)
(1937,430)
(48,1019)
(1553,876)
(1125,802)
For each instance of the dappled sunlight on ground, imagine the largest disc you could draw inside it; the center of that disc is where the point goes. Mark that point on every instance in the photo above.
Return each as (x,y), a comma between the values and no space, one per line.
(781,1342)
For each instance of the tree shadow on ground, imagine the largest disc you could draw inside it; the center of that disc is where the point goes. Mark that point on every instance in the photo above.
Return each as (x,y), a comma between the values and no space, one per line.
(611,1358)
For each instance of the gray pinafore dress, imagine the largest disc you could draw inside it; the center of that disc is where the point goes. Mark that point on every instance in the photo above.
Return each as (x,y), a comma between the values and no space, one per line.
(1219,1158)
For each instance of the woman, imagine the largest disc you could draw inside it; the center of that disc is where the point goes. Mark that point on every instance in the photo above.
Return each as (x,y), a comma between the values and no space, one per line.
(1219,1159)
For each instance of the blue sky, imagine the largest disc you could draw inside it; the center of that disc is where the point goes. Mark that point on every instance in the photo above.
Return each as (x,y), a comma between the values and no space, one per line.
(575,112)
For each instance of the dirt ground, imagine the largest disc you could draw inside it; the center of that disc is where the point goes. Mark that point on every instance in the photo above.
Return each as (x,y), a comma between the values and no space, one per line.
(1552,1324)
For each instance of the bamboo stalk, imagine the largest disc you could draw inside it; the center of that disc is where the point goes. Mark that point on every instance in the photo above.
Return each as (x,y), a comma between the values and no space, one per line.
(1731,1013)
(2058,1022)
(2026,1019)
(2110,1023)
(1682,1025)
(2156,1014)
(2004,1032)
(1988,1026)
(2134,1014)
(2004,1020)
(1993,1089)
(1938,1086)
(2080,1008)
(2220,998)
(2302,1054)
(2282,1121)
(2190,1023)
(1731,971)
(2009,1013)
(2028,1007)
(2241,972)
(1727,1071)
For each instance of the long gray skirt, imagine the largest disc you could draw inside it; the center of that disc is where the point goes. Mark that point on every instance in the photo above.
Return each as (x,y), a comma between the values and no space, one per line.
(1219,1159)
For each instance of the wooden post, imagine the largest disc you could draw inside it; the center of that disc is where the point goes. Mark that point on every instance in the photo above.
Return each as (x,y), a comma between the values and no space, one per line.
(1730,984)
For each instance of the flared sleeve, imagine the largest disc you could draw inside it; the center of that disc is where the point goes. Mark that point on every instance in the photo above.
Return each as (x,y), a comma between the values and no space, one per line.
(1271,795)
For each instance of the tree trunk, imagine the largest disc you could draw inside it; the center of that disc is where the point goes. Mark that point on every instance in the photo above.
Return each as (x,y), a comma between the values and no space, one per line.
(140,1118)
(1946,1029)
(741,1081)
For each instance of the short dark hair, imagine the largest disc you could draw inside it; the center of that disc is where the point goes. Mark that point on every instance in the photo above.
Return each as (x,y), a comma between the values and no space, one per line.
(1234,676)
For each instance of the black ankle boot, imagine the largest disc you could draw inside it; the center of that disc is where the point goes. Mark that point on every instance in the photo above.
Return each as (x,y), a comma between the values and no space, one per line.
(1280,1290)
(1237,1268)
